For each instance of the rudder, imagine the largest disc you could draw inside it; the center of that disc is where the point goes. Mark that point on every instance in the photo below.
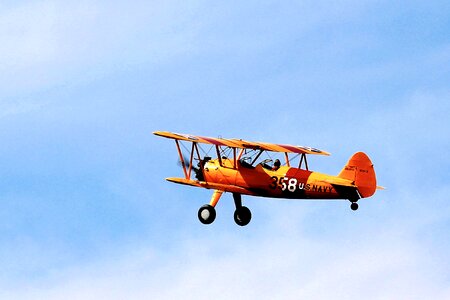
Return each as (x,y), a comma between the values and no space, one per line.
(360,170)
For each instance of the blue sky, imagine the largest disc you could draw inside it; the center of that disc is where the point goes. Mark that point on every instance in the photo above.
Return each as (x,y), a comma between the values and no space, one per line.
(86,213)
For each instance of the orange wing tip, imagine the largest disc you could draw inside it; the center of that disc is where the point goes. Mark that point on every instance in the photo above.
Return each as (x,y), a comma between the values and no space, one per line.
(379,187)
(182,180)
(162,133)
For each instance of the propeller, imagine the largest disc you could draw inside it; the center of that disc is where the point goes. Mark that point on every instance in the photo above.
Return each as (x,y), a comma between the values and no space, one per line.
(197,171)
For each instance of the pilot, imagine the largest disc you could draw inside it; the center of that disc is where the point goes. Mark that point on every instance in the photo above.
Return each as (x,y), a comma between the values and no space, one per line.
(276,165)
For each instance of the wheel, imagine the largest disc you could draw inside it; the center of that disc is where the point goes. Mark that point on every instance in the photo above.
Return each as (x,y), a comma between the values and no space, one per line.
(207,214)
(242,216)
(354,206)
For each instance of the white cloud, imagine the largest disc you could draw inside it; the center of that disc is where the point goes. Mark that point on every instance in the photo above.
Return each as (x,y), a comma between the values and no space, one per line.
(385,257)
(385,262)
(46,43)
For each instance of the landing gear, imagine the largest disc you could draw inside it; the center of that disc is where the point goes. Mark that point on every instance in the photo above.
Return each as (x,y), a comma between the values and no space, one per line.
(207,214)
(354,206)
(242,215)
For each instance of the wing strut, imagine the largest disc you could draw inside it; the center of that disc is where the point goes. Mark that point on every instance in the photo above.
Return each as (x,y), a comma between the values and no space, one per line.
(287,159)
(303,158)
(187,169)
(182,160)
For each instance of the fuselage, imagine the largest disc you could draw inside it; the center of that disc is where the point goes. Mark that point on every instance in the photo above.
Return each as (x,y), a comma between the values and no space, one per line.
(286,182)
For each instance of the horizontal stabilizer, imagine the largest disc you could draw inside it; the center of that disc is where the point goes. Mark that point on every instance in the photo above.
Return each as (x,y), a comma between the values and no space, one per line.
(339,181)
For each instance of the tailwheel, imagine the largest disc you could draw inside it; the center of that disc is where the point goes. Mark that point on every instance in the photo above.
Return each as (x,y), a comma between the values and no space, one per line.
(207,214)
(242,216)
(354,206)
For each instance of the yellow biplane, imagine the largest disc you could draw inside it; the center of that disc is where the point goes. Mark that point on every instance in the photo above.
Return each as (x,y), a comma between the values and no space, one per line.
(240,167)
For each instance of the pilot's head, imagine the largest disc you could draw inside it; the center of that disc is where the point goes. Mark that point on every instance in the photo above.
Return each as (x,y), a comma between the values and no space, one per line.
(277,163)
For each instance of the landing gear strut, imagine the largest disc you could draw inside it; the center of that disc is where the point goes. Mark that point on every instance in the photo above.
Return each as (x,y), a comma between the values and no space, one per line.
(207,213)
(242,215)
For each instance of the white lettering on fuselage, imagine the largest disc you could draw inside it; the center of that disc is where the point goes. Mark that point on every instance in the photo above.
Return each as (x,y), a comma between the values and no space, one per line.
(292,185)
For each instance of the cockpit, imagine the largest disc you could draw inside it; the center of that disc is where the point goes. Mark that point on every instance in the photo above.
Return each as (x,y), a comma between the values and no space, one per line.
(253,158)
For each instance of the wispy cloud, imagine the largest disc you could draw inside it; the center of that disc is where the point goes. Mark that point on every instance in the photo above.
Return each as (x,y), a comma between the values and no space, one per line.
(86,213)
(46,43)
(382,263)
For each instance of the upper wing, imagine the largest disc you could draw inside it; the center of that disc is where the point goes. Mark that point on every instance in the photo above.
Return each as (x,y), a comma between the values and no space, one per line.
(279,147)
(238,143)
(197,139)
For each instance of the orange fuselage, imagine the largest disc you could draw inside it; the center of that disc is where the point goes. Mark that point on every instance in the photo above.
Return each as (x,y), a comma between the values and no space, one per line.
(286,182)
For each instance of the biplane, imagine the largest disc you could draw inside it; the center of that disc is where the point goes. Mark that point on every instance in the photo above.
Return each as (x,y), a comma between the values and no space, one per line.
(243,167)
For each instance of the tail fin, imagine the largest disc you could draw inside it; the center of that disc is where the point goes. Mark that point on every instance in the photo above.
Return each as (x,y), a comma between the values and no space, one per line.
(359,169)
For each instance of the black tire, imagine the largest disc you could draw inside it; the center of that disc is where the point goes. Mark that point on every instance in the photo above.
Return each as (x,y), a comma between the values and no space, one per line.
(207,214)
(242,216)
(354,206)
